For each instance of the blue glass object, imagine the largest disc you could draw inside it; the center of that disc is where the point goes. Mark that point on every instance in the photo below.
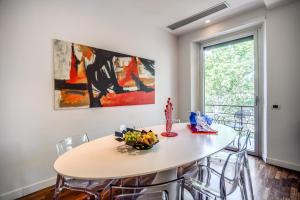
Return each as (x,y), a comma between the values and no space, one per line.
(207,119)
(193,119)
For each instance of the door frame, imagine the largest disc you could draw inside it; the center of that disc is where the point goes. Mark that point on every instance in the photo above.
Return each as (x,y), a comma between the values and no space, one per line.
(256,33)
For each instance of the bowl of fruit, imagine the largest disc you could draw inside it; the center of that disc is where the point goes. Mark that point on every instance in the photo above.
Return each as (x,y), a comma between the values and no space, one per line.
(141,140)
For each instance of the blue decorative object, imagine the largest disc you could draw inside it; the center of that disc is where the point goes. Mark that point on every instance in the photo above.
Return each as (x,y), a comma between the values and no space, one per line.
(193,119)
(200,123)
(207,119)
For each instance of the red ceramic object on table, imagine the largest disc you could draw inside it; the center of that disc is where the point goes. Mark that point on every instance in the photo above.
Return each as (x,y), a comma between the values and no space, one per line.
(168,114)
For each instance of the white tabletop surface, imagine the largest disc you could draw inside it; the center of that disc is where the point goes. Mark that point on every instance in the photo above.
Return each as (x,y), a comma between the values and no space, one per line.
(106,158)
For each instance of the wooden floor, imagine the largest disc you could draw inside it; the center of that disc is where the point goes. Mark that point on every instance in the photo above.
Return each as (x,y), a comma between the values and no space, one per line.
(269,182)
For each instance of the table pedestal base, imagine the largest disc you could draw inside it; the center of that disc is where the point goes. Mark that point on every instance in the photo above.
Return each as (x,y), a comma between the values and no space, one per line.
(167,176)
(162,177)
(172,188)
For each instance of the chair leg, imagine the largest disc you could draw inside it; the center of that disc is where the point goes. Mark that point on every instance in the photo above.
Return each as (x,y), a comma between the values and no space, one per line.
(208,172)
(179,172)
(249,176)
(200,178)
(243,182)
(97,197)
(182,190)
(57,188)
(199,175)
(121,182)
(166,195)
(224,198)
(242,191)
(110,193)
(137,183)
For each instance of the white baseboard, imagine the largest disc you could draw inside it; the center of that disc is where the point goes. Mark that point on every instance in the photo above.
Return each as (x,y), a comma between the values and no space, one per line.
(284,164)
(23,191)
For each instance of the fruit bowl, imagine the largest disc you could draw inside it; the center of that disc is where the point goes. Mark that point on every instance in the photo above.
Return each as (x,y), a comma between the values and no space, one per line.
(140,140)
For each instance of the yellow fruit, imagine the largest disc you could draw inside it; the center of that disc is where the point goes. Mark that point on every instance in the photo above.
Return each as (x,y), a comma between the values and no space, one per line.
(146,142)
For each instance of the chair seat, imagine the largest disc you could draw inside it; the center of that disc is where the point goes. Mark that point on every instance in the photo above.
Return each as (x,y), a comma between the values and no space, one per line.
(188,170)
(220,181)
(149,196)
(92,187)
(192,170)
(86,184)
(152,191)
(201,186)
(210,184)
(221,156)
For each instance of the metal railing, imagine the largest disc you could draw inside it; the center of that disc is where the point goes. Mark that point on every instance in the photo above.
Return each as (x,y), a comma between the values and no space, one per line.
(239,117)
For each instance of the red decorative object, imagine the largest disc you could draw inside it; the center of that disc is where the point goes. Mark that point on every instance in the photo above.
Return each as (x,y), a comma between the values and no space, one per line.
(168,114)
(196,131)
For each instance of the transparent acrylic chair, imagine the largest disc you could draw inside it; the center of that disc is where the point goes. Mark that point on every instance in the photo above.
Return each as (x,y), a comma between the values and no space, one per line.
(149,196)
(230,178)
(92,188)
(242,141)
(157,191)
(70,142)
(221,157)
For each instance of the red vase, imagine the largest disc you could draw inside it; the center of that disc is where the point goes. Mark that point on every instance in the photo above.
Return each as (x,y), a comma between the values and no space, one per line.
(168,114)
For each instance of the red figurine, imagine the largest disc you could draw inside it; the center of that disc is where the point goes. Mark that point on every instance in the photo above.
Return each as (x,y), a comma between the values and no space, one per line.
(168,114)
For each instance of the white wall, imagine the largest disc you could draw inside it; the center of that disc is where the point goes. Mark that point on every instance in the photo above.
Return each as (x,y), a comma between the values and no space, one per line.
(29,126)
(283,61)
(282,41)
(190,88)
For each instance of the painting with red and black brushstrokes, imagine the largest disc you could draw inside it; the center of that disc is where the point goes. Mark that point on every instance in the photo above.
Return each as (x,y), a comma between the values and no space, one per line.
(89,77)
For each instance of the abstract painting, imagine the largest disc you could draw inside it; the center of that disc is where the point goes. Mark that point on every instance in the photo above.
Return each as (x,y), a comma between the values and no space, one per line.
(89,77)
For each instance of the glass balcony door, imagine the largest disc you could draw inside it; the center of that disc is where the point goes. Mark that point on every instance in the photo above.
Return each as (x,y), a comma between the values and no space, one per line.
(231,85)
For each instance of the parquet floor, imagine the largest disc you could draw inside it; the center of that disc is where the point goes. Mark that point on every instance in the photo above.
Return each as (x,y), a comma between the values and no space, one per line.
(269,182)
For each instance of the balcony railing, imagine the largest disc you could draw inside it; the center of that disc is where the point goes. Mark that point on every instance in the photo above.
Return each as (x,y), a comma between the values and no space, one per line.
(239,117)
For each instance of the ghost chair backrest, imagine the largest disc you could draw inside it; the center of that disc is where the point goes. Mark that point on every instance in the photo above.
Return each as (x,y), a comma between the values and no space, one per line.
(70,142)
(230,175)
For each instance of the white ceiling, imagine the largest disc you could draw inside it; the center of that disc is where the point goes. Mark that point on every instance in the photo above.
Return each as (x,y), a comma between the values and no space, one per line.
(161,13)
(276,3)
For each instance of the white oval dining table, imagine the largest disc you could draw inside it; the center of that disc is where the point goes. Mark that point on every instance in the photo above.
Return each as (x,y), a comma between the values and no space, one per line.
(107,158)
